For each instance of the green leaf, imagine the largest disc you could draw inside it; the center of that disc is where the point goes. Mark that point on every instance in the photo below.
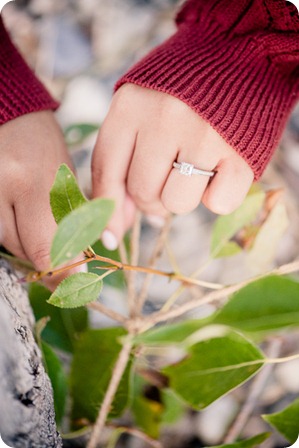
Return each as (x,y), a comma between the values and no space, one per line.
(266,304)
(225,227)
(174,408)
(229,249)
(76,290)
(249,443)
(58,379)
(64,326)
(94,358)
(286,421)
(79,229)
(170,333)
(212,368)
(65,194)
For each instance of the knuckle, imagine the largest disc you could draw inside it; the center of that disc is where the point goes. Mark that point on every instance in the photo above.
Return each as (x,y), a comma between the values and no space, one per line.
(176,206)
(140,196)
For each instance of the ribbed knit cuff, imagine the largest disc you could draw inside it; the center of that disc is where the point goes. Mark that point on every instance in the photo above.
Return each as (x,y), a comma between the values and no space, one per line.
(228,81)
(20,91)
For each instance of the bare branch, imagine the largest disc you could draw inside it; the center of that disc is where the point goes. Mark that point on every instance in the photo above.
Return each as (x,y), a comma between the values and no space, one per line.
(116,377)
(152,263)
(107,311)
(216,295)
(135,237)
(137,433)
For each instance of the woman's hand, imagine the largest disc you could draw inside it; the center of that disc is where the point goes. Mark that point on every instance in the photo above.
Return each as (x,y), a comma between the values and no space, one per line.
(144,132)
(31,150)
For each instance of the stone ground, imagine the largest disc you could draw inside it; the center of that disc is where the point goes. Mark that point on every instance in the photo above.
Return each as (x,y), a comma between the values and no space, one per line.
(80,48)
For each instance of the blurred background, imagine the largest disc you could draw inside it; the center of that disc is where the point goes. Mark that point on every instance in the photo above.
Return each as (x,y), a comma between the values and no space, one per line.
(79,48)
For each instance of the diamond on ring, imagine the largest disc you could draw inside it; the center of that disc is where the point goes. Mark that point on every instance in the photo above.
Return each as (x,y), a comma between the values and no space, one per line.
(187,169)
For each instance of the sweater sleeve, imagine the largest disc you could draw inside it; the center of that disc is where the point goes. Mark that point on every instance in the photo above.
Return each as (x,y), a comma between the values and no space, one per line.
(236,64)
(20,91)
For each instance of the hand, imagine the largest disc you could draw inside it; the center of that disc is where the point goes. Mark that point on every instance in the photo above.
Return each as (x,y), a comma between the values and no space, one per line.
(31,150)
(144,132)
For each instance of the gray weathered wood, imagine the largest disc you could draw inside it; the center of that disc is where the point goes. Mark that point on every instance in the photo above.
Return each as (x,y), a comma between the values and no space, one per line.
(26,401)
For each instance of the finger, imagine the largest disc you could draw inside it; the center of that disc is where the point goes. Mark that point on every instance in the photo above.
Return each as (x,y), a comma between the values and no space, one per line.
(36,228)
(149,169)
(129,212)
(229,187)
(183,193)
(111,159)
(9,236)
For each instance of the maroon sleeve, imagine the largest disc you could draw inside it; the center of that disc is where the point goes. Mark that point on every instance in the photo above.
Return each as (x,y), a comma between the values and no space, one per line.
(20,91)
(236,64)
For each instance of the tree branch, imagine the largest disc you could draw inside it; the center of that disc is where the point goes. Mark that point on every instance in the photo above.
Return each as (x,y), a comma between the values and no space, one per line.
(216,295)
(152,263)
(116,376)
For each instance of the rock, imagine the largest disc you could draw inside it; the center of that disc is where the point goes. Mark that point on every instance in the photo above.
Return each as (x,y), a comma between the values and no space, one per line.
(27,416)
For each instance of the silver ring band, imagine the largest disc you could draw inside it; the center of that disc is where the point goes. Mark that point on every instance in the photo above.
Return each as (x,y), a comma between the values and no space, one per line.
(187,169)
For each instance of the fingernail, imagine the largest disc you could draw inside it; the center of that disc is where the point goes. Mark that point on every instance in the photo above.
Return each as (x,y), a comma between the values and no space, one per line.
(155,221)
(109,240)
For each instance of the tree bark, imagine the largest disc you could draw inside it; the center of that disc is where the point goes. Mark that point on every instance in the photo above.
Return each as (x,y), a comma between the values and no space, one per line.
(27,418)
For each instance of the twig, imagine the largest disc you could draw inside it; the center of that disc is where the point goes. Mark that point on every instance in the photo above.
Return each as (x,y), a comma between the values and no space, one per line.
(216,295)
(123,253)
(286,268)
(35,276)
(152,263)
(116,377)
(137,433)
(172,299)
(38,275)
(257,388)
(171,257)
(134,246)
(107,311)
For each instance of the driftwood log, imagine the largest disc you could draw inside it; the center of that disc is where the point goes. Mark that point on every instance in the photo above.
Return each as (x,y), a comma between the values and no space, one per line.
(27,417)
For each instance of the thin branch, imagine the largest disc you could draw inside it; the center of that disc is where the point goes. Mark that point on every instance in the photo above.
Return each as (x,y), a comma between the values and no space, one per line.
(137,433)
(257,388)
(216,295)
(123,253)
(116,377)
(107,312)
(38,275)
(288,268)
(171,257)
(172,299)
(134,246)
(152,263)
(35,276)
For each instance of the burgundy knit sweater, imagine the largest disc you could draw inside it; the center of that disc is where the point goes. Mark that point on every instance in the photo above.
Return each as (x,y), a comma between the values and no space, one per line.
(20,91)
(234,62)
